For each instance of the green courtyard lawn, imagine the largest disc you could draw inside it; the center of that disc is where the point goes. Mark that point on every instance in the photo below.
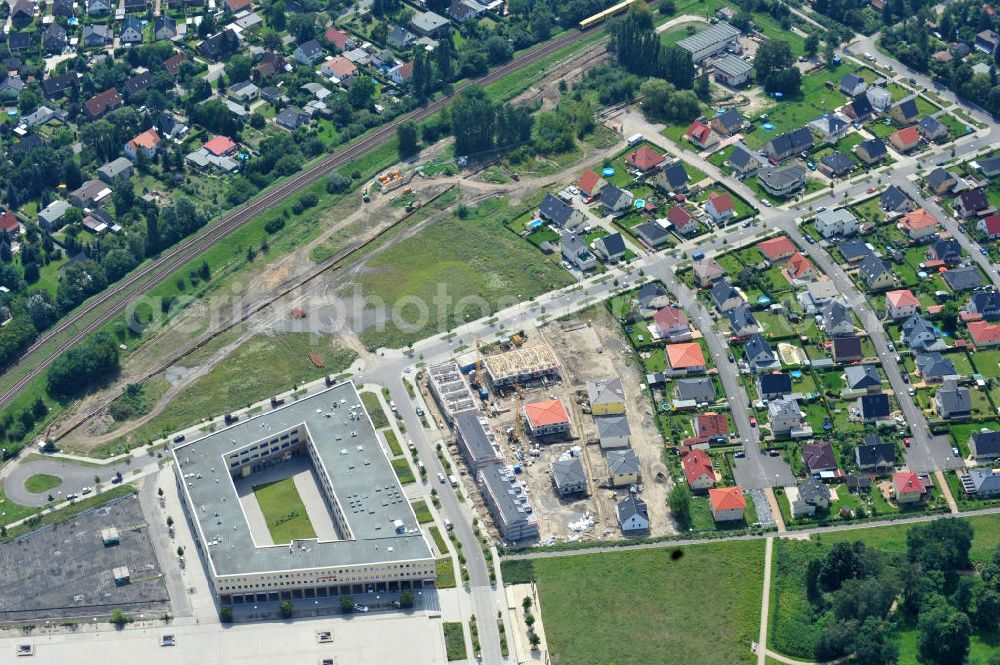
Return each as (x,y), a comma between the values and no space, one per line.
(42,482)
(700,607)
(472,257)
(775,326)
(284,511)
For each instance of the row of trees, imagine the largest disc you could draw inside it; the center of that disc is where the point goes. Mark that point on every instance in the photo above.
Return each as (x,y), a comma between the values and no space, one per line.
(639,50)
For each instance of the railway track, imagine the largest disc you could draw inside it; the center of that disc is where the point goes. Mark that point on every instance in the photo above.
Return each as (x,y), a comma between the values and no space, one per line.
(154,273)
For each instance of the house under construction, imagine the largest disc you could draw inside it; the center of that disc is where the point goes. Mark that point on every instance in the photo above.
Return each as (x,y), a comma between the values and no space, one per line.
(526,365)
(450,391)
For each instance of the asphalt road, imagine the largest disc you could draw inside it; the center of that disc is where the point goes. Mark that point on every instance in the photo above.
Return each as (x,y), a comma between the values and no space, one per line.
(74,476)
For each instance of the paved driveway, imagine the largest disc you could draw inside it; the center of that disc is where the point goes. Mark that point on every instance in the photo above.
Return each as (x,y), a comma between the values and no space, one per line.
(74,476)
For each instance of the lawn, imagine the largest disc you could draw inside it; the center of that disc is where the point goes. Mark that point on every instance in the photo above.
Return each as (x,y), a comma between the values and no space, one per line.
(987,363)
(403,471)
(394,447)
(665,604)
(454,640)
(284,511)
(264,365)
(476,259)
(374,409)
(42,482)
(445,569)
(422,512)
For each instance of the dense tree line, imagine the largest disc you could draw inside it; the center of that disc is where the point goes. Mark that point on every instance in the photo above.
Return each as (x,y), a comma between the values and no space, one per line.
(774,67)
(89,364)
(639,50)
(480,125)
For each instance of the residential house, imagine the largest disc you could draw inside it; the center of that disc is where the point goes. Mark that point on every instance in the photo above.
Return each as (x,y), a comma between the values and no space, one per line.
(632,515)
(89,194)
(243,92)
(685,358)
(941,181)
(339,68)
(920,335)
(63,8)
(932,129)
(965,278)
(672,178)
(569,477)
(652,297)
(810,496)
(428,24)
(732,71)
(800,269)
(725,296)
(771,385)
(985,445)
(698,470)
(989,167)
(623,467)
(973,203)
(606,396)
(20,41)
(546,418)
(694,391)
(9,224)
(863,377)
(816,296)
(615,200)
(726,503)
(131,32)
(791,143)
(873,407)
(875,456)
(852,85)
(339,38)
(706,272)
(782,181)
(905,112)
(893,199)
(953,401)
(859,109)
(935,368)
(291,118)
(907,487)
(54,38)
(744,161)
(829,127)
(986,41)
(727,123)
(836,223)
(651,233)
(984,335)
(879,98)
(101,103)
(11,87)
(836,165)
(50,218)
(117,169)
(402,73)
(589,184)
(173,63)
(918,224)
(984,303)
(946,251)
(847,349)
(96,36)
(901,304)
(759,355)
(56,86)
(871,151)
(906,139)
(309,53)
(645,159)
(671,323)
(270,64)
(463,10)
(138,83)
(990,226)
(612,431)
(720,207)
(576,252)
(701,135)
(146,144)
(784,417)
(22,13)
(776,249)
(711,427)
(400,37)
(681,221)
(560,213)
(742,322)
(165,27)
(610,248)
(983,482)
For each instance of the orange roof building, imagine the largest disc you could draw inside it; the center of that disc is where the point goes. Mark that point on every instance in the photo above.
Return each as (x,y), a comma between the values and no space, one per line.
(711,425)
(776,249)
(984,334)
(906,139)
(800,267)
(685,357)
(339,67)
(220,145)
(589,182)
(698,470)
(727,503)
(645,158)
(907,487)
(918,224)
(147,143)
(9,223)
(546,418)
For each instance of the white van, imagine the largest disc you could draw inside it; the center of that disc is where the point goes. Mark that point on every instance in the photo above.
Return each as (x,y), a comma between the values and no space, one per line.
(453,480)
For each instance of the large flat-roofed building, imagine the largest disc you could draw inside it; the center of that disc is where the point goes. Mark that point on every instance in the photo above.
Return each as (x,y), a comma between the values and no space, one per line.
(508,502)
(476,440)
(450,390)
(523,366)
(711,40)
(369,537)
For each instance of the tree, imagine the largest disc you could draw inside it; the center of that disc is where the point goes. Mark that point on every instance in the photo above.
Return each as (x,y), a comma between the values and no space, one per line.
(944,635)
(88,364)
(406,134)
(226,614)
(406,598)
(987,615)
(170,521)
(812,44)
(72,177)
(679,502)
(526,603)
(844,561)
(360,94)
(702,88)
(338,183)
(772,56)
(119,618)
(286,609)
(534,640)
(942,545)
(346,604)
(872,645)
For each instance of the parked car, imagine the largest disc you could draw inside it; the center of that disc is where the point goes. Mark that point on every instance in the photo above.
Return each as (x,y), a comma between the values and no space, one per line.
(360,608)
(907,441)
(753,421)
(178,438)
(441,478)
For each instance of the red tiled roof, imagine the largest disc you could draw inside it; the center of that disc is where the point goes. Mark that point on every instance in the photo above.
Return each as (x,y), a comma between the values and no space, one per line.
(103,102)
(669,317)
(340,67)
(901,298)
(405,71)
(918,219)
(907,482)
(679,217)
(798,265)
(697,463)
(721,202)
(776,248)
(726,498)
(982,331)
(8,222)
(588,182)
(549,412)
(906,136)
(220,145)
(645,158)
(681,356)
(699,131)
(173,63)
(336,37)
(237,5)
(149,139)
(712,424)
(992,224)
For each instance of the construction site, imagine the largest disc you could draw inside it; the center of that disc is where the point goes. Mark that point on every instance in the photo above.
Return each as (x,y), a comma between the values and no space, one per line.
(560,424)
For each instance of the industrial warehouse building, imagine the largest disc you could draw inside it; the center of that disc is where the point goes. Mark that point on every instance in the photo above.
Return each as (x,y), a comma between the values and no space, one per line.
(710,41)
(370,539)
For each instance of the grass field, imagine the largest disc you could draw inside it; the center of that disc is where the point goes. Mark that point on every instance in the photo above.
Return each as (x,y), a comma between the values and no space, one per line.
(265,365)
(445,569)
(702,607)
(475,258)
(454,640)
(284,511)
(422,512)
(41,482)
